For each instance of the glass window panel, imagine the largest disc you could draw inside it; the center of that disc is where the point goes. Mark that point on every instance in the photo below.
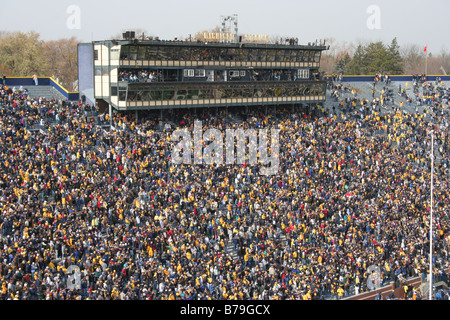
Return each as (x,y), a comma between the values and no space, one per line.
(200,72)
(279,55)
(115,54)
(270,55)
(122,95)
(195,53)
(124,53)
(262,55)
(287,55)
(231,53)
(141,53)
(172,53)
(132,53)
(298,56)
(252,54)
(162,53)
(155,94)
(223,54)
(146,96)
(303,74)
(241,54)
(233,73)
(306,56)
(317,56)
(215,54)
(185,53)
(168,94)
(205,54)
(152,53)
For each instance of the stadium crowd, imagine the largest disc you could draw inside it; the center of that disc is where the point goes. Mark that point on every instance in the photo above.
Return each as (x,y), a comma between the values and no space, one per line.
(353,191)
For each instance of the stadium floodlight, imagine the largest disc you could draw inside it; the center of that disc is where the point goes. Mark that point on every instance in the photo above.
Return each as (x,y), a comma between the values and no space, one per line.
(227,25)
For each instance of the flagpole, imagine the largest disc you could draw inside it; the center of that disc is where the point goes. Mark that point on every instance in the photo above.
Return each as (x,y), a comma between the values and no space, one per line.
(431,218)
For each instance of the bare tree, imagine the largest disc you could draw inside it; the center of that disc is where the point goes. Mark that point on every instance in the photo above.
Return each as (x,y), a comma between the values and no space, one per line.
(339,53)
(414,59)
(62,58)
(445,61)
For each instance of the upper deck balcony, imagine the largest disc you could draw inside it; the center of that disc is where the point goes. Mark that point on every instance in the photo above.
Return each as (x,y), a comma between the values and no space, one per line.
(192,54)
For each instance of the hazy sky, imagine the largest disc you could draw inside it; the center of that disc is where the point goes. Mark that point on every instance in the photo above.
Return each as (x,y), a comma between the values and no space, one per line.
(422,22)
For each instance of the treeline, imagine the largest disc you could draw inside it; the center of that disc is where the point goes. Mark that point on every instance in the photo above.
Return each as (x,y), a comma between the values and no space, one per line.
(378,57)
(25,54)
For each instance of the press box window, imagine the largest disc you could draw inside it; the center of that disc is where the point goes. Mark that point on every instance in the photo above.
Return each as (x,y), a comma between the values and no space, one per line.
(234,74)
(115,54)
(303,73)
(200,73)
(188,73)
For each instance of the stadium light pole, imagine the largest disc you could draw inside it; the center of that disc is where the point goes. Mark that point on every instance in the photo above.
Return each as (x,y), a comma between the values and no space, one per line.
(431,218)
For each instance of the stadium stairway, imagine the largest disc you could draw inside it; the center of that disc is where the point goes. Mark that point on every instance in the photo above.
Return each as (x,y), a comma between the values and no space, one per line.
(231,251)
(47,92)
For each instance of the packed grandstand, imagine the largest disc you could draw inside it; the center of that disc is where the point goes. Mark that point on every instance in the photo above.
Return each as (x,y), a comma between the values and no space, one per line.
(352,192)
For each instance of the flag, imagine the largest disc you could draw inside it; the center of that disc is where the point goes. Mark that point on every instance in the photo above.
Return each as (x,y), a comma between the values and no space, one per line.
(425,49)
